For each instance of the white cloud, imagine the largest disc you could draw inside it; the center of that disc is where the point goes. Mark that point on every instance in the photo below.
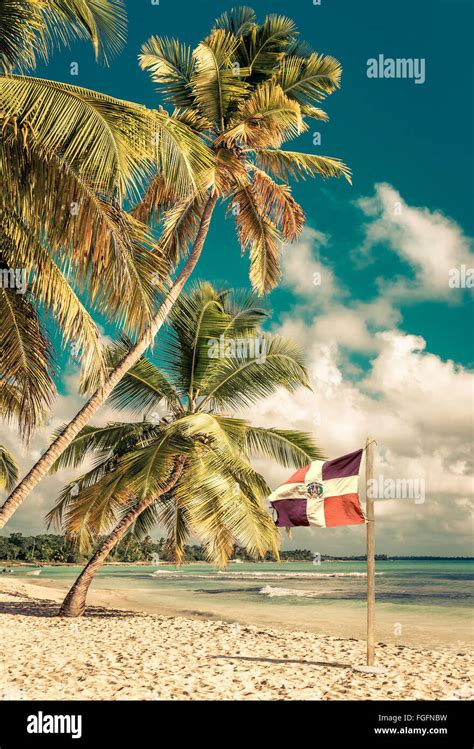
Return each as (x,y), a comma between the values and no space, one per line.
(429,242)
(417,407)
(304,272)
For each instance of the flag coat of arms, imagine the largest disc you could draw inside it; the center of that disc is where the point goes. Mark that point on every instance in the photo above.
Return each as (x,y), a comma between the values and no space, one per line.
(323,493)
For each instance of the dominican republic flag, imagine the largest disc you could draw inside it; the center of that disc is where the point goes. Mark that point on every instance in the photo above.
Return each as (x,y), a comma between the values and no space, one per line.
(324,494)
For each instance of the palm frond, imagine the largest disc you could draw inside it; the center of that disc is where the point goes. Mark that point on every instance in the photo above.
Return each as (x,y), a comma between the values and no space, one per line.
(72,492)
(281,207)
(221,458)
(237,21)
(149,468)
(308,80)
(184,160)
(287,447)
(170,64)
(173,518)
(206,429)
(307,110)
(144,387)
(148,520)
(220,513)
(22,33)
(111,143)
(29,29)
(103,21)
(230,172)
(9,470)
(111,438)
(26,362)
(258,234)
(243,381)
(201,319)
(49,287)
(153,203)
(94,511)
(267,43)
(109,257)
(215,84)
(180,226)
(106,140)
(285,164)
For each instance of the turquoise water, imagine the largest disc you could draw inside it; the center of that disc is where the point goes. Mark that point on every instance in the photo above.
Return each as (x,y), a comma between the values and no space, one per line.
(429,602)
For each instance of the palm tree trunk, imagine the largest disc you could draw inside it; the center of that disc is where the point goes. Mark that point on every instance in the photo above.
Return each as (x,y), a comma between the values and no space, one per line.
(41,468)
(75,602)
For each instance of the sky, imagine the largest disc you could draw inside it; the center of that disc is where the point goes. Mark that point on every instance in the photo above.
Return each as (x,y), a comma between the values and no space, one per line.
(388,341)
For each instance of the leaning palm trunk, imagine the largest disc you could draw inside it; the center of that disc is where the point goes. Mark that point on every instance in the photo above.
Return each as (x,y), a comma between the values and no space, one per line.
(75,602)
(41,468)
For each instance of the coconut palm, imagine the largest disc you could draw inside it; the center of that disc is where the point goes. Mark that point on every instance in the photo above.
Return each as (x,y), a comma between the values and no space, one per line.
(245,90)
(69,159)
(186,464)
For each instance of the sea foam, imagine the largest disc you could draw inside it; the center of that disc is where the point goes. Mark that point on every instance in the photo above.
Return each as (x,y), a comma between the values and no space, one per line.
(256,575)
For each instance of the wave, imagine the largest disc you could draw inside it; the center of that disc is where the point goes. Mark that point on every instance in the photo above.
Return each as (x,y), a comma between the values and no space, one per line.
(162,572)
(283,592)
(256,575)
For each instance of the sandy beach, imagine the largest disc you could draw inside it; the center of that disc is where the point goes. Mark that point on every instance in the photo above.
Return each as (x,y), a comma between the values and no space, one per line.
(115,654)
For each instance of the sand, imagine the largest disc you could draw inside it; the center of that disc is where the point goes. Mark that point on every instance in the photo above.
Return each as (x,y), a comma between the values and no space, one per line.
(115,654)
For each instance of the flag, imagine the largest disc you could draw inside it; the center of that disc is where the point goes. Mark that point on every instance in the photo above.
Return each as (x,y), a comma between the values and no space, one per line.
(323,494)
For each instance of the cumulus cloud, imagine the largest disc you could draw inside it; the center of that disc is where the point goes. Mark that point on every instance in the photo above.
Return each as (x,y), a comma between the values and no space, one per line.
(417,407)
(429,243)
(304,272)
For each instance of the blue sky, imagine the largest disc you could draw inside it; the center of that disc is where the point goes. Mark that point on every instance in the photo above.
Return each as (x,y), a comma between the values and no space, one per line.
(387,340)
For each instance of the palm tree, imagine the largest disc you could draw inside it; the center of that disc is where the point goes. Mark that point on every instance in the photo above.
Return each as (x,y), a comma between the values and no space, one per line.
(69,159)
(186,464)
(245,90)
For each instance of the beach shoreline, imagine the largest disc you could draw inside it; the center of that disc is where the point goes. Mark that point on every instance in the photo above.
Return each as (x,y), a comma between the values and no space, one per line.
(118,654)
(302,598)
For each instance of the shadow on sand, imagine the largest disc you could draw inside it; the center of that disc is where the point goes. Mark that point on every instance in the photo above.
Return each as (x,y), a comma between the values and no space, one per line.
(46,609)
(255,659)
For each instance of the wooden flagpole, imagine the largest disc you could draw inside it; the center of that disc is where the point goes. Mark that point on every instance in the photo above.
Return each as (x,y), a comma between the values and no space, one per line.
(369,474)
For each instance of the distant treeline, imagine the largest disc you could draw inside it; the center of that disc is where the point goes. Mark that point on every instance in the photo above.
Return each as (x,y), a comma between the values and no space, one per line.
(54,548)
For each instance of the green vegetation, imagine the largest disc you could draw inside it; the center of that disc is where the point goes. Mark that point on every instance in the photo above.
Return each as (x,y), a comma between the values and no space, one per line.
(43,548)
(58,550)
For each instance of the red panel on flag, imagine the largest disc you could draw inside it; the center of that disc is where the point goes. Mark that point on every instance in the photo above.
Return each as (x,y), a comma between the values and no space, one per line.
(343,510)
(299,476)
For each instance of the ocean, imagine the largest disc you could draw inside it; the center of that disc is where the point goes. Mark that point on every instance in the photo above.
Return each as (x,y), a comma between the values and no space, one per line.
(427,603)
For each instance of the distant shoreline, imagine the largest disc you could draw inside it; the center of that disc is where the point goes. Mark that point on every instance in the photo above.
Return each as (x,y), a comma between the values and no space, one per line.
(329,560)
